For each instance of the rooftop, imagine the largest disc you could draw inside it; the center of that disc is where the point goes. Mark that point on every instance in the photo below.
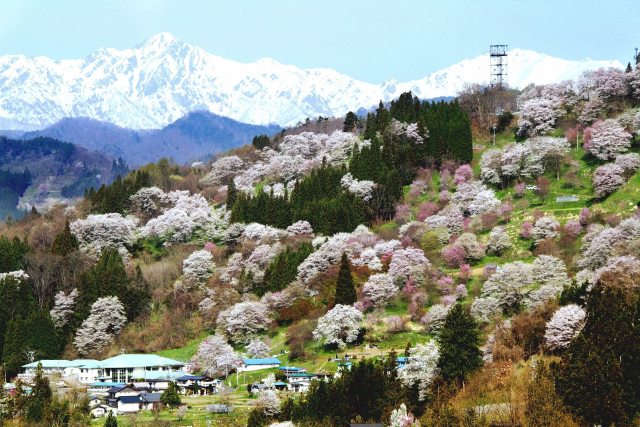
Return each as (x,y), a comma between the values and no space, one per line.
(265,361)
(138,361)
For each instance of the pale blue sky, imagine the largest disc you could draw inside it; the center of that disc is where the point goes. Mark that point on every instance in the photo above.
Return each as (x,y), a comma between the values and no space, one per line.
(370,40)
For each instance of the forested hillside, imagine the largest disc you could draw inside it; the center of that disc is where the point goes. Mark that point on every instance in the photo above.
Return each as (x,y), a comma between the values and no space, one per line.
(40,172)
(449,275)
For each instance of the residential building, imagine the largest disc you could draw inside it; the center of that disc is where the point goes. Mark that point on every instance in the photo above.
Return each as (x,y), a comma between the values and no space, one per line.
(258,364)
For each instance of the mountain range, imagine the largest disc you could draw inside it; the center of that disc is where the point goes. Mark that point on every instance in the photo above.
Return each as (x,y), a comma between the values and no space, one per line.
(196,136)
(163,79)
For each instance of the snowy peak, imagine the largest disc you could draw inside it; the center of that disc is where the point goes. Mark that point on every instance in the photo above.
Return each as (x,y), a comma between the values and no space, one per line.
(163,79)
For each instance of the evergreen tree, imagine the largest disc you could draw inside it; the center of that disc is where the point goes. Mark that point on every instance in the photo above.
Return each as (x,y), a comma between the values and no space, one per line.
(599,374)
(459,343)
(260,141)
(12,253)
(111,420)
(629,69)
(40,398)
(345,291)
(283,269)
(65,242)
(232,194)
(350,122)
(171,397)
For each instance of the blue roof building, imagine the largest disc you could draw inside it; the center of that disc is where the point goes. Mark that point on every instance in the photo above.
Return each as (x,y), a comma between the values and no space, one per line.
(257,364)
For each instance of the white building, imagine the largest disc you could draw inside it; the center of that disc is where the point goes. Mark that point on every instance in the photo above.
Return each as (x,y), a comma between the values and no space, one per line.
(257,364)
(124,368)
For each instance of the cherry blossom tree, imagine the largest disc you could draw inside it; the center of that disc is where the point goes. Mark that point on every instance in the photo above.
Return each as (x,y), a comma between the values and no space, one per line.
(502,291)
(564,326)
(379,289)
(402,418)
(607,179)
(222,170)
(189,216)
(592,110)
(435,317)
(608,140)
(216,357)
(362,189)
(629,163)
(453,255)
(339,326)
(269,403)
(475,198)
(421,367)
(463,174)
(368,258)
(97,232)
(537,117)
(407,262)
(499,241)
(105,321)
(598,247)
(545,228)
(148,200)
(244,320)
(300,229)
(474,251)
(257,349)
(63,308)
(198,267)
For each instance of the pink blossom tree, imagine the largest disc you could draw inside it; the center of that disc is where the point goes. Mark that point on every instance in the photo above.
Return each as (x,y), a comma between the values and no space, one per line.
(607,179)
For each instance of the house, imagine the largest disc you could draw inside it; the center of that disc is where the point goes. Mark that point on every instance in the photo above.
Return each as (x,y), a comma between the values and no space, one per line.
(258,364)
(298,386)
(129,404)
(149,401)
(102,388)
(198,384)
(102,411)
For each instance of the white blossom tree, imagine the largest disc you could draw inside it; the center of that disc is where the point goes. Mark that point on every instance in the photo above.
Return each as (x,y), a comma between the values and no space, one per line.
(629,163)
(608,140)
(216,357)
(244,320)
(257,348)
(339,326)
(499,241)
(564,326)
(300,228)
(379,289)
(63,308)
(402,418)
(421,367)
(198,267)
(98,232)
(545,228)
(269,403)
(537,117)
(407,262)
(148,200)
(363,189)
(105,321)
(222,170)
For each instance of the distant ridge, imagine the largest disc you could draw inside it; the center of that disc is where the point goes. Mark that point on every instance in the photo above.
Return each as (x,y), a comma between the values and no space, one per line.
(196,136)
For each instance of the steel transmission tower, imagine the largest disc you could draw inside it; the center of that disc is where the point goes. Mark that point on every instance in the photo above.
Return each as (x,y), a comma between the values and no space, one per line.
(498,55)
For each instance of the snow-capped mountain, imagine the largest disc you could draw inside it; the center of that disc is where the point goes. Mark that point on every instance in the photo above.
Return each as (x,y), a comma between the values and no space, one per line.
(163,79)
